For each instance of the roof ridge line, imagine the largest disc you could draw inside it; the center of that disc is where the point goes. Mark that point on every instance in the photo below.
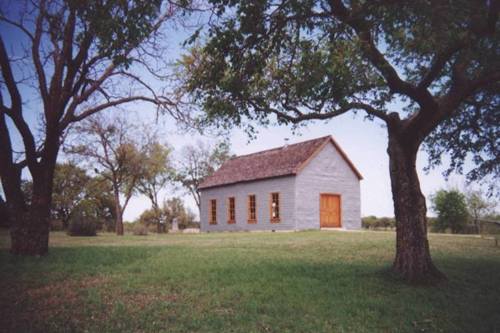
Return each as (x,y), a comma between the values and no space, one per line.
(281,147)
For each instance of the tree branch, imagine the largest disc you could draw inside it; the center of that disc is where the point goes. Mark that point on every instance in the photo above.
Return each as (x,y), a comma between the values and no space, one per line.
(35,53)
(422,96)
(86,93)
(15,111)
(300,116)
(437,66)
(117,102)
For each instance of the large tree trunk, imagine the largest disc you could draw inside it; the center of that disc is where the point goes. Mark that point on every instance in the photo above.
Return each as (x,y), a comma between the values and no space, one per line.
(31,223)
(413,260)
(30,230)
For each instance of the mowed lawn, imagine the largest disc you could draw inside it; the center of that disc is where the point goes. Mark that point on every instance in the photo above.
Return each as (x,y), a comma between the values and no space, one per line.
(246,282)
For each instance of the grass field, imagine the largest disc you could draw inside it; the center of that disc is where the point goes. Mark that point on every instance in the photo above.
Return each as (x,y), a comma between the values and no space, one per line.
(246,282)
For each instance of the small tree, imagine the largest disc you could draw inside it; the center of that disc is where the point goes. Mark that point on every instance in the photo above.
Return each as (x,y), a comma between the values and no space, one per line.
(478,207)
(198,162)
(171,209)
(174,208)
(110,145)
(151,217)
(451,208)
(156,173)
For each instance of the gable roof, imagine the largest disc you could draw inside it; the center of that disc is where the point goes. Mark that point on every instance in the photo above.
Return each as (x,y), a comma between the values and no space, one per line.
(283,161)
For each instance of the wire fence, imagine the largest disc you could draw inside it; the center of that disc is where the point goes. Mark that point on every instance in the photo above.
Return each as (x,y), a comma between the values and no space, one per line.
(490,229)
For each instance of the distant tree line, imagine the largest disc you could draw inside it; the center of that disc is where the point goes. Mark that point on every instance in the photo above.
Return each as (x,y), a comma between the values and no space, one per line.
(457,213)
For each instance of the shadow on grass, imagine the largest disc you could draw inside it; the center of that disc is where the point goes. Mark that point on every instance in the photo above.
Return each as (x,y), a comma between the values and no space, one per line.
(231,287)
(363,296)
(75,260)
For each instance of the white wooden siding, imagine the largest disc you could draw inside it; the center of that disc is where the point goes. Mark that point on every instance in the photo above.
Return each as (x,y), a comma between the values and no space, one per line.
(262,190)
(328,172)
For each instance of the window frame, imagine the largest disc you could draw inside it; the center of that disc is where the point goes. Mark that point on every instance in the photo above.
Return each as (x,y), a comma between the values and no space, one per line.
(229,219)
(278,207)
(249,209)
(212,211)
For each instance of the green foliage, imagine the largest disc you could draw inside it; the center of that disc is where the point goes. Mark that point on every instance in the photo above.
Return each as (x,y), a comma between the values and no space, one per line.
(156,173)
(69,189)
(296,61)
(118,26)
(99,193)
(157,169)
(478,205)
(171,209)
(456,138)
(83,221)
(150,217)
(174,208)
(367,222)
(452,211)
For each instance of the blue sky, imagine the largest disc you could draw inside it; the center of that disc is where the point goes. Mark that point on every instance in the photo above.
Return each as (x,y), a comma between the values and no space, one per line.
(365,143)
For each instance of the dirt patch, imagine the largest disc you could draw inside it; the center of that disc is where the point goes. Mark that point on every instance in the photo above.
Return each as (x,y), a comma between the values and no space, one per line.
(24,307)
(71,304)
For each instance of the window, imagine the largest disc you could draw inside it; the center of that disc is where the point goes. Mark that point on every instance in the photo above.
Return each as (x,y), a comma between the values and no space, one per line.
(274,205)
(252,209)
(212,214)
(231,210)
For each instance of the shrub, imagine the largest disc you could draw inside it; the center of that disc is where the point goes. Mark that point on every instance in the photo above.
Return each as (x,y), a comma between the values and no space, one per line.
(383,222)
(83,221)
(82,227)
(140,230)
(128,227)
(368,222)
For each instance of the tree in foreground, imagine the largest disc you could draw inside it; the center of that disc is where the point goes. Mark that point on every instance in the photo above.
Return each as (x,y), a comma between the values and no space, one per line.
(198,162)
(73,59)
(451,208)
(419,67)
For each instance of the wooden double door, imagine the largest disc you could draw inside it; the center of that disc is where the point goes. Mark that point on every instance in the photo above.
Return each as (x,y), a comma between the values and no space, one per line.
(330,214)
